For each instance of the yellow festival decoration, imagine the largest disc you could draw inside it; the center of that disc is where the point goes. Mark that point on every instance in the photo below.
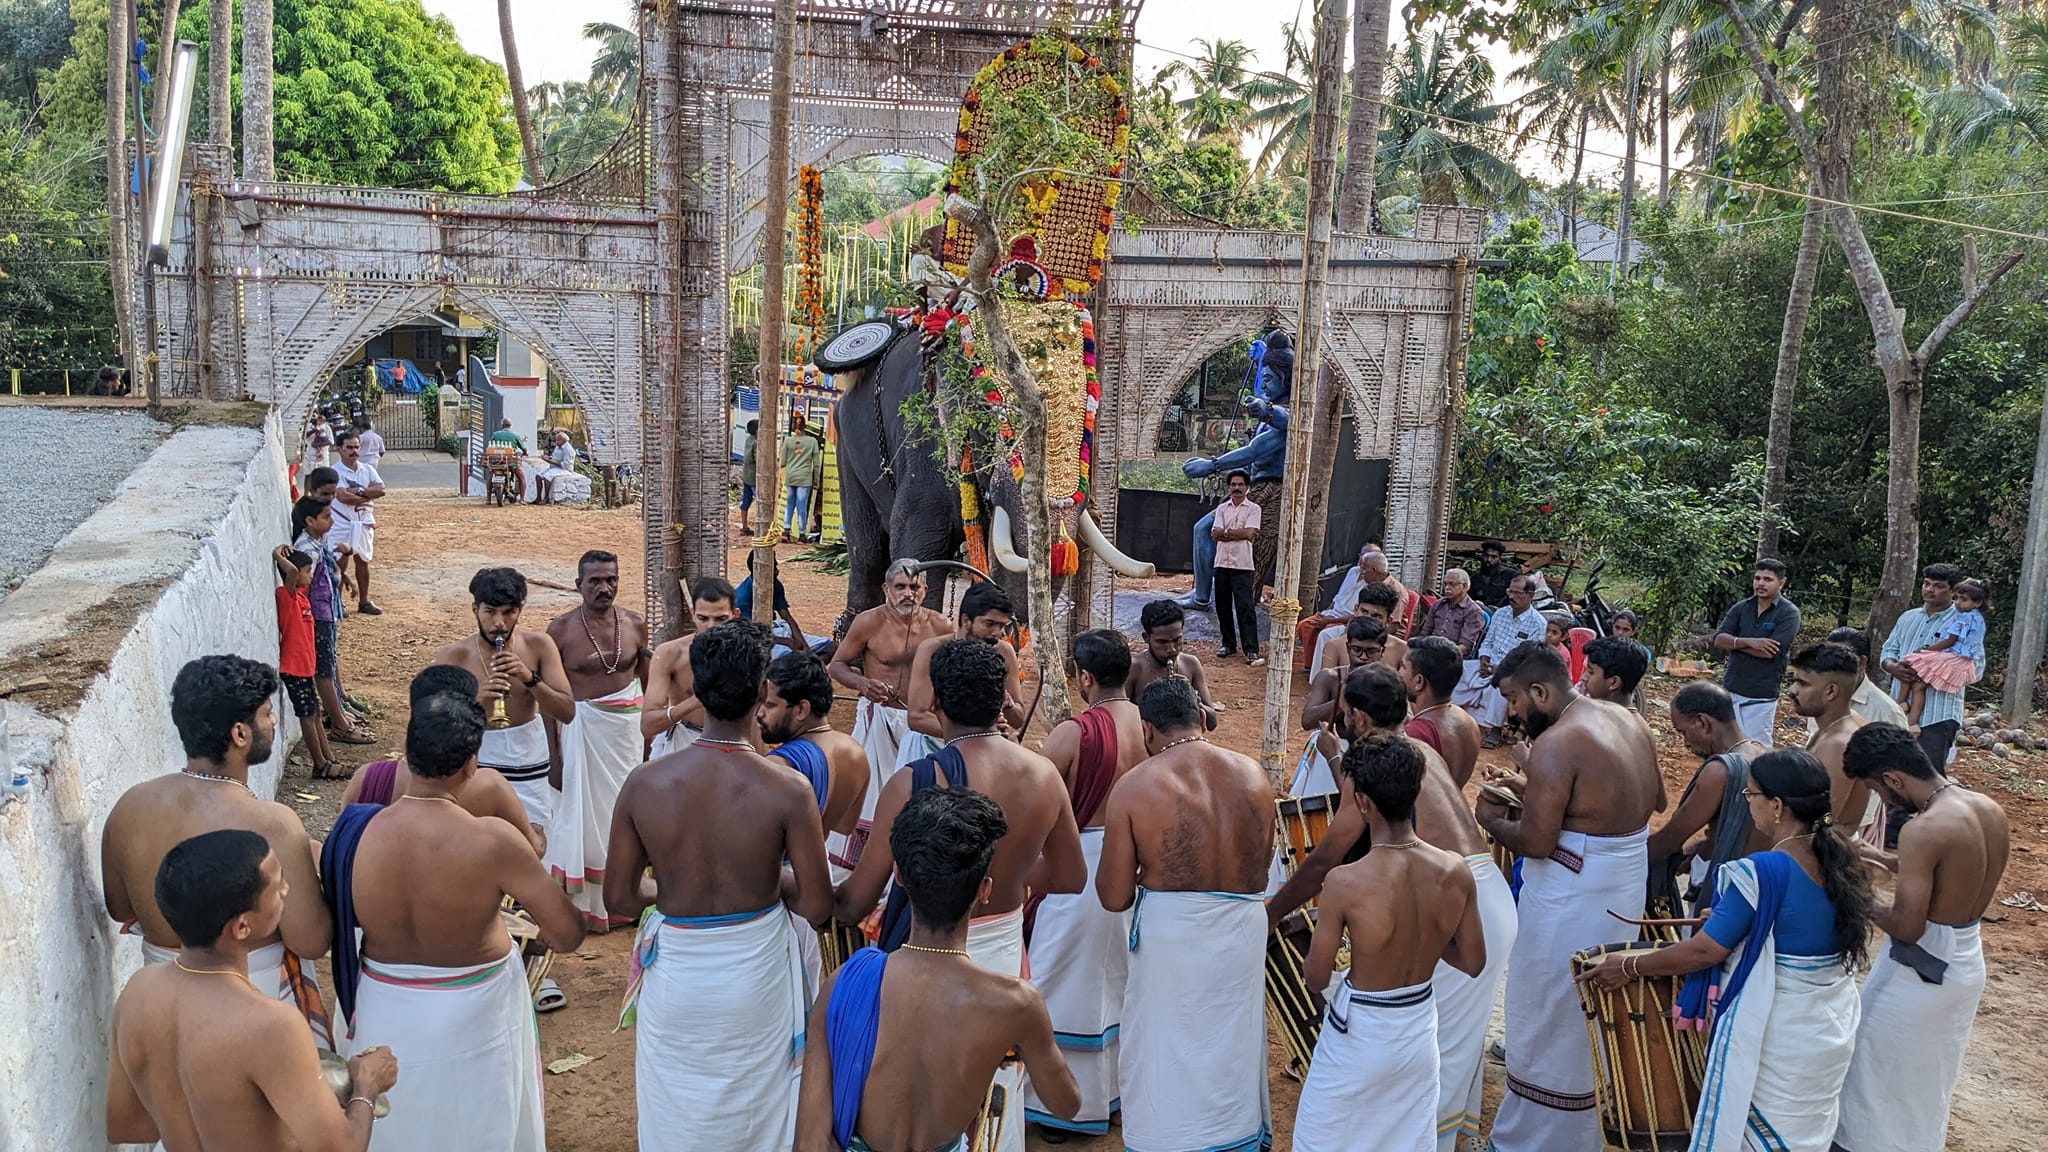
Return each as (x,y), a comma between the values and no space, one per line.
(810,243)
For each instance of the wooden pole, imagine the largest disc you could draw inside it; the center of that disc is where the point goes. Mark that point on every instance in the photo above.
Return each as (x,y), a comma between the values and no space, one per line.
(774,250)
(1315,272)
(2030,613)
(120,249)
(259,151)
(668,132)
(220,108)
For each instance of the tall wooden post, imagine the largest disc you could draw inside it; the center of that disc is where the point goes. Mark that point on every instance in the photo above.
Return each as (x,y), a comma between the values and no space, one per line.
(666,132)
(1315,272)
(120,248)
(774,251)
(220,108)
(2030,613)
(259,150)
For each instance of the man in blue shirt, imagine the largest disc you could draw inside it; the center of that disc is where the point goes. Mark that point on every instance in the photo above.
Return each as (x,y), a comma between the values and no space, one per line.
(743,605)
(1757,635)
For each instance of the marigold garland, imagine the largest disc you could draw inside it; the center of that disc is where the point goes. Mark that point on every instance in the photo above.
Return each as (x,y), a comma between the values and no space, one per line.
(810,243)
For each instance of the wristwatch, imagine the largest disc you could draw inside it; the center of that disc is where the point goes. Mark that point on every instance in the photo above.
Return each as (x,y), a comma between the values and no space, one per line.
(533,679)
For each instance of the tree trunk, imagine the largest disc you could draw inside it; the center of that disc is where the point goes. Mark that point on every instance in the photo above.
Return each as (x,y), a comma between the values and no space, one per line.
(1362,131)
(774,253)
(1027,417)
(1301,508)
(1778,445)
(220,47)
(120,252)
(1354,214)
(1664,135)
(259,150)
(1633,79)
(1578,168)
(1904,366)
(167,32)
(2030,610)
(522,108)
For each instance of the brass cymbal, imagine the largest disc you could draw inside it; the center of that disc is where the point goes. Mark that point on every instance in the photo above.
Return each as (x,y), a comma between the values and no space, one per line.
(335,1069)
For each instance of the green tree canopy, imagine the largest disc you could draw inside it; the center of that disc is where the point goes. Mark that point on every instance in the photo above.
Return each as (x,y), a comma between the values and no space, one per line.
(377,92)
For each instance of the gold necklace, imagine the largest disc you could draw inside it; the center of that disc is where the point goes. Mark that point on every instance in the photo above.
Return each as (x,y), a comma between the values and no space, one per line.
(1789,839)
(242,976)
(1177,743)
(969,736)
(937,951)
(242,784)
(1411,842)
(442,799)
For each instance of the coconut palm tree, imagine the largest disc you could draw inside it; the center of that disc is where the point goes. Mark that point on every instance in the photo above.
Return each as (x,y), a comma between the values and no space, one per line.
(1443,137)
(522,110)
(1216,105)
(615,72)
(1283,106)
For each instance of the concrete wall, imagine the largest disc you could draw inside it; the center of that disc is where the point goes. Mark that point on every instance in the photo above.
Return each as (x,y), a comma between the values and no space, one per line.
(197,519)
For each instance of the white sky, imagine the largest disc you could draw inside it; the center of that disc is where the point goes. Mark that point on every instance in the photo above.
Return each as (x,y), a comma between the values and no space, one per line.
(551,44)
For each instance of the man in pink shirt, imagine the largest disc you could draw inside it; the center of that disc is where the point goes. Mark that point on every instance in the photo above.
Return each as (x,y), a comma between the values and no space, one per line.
(1237,579)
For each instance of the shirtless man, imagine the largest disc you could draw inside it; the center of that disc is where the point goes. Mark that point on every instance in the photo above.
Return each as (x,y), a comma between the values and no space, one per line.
(1581,830)
(1375,602)
(1375,704)
(985,612)
(1405,913)
(1192,828)
(1703,715)
(441,980)
(1823,689)
(221,708)
(908,1085)
(875,661)
(604,655)
(1041,852)
(1160,624)
(524,670)
(1316,773)
(1921,996)
(1431,672)
(382,782)
(670,717)
(720,1009)
(796,698)
(199,1062)
(1079,950)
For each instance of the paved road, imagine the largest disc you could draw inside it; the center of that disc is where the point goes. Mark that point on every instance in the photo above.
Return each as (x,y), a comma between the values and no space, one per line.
(418,469)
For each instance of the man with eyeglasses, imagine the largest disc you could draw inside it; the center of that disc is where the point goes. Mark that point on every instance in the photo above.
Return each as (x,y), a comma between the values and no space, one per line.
(1509,628)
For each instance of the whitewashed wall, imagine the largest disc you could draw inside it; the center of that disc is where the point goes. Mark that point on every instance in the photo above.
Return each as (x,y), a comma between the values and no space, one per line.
(199,517)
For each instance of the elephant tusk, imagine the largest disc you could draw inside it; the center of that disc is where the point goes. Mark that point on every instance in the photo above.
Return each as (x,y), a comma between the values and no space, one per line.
(1122,565)
(1005,545)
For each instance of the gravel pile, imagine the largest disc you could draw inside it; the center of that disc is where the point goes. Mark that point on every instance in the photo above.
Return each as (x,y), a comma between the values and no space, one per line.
(57,466)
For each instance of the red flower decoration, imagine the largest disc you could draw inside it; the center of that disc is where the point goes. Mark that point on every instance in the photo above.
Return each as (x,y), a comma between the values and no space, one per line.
(993,396)
(1544,508)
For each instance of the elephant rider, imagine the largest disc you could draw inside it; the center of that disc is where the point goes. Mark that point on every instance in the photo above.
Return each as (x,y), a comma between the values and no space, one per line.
(875,659)
(1265,458)
(985,613)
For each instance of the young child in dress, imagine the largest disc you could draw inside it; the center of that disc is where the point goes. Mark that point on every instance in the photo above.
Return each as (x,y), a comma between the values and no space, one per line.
(1950,662)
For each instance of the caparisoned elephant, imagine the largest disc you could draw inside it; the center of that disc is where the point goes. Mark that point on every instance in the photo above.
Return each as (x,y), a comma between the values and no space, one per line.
(900,498)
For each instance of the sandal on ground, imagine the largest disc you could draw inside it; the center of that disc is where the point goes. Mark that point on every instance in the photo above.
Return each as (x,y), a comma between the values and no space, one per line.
(351,736)
(366,608)
(549,998)
(330,771)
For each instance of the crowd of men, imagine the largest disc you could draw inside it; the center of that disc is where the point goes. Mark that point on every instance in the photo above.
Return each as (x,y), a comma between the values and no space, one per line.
(1090,919)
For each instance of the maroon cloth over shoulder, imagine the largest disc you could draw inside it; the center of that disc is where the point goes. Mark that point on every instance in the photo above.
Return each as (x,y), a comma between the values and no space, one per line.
(1094,772)
(379,778)
(1424,729)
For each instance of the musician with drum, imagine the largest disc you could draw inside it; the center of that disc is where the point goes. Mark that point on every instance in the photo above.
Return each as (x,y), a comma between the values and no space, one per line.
(1581,832)
(1788,930)
(203,1059)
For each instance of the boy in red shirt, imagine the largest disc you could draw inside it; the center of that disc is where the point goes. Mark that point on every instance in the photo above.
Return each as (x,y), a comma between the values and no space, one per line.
(295,663)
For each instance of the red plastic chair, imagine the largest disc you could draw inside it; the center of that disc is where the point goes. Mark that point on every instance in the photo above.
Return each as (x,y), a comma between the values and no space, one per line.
(1575,642)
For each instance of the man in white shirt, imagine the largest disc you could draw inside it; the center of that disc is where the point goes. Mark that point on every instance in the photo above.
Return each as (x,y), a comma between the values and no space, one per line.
(1509,627)
(373,443)
(561,462)
(1237,580)
(355,516)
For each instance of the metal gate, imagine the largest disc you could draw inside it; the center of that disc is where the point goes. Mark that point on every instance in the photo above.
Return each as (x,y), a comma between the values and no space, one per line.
(404,420)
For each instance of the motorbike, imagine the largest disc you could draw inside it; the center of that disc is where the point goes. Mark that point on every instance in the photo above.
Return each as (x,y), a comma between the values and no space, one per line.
(1590,611)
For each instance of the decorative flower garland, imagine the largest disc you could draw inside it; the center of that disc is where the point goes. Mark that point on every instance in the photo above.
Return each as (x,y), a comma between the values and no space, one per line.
(810,243)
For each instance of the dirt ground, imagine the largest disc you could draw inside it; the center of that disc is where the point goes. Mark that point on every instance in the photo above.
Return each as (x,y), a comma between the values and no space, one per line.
(429,544)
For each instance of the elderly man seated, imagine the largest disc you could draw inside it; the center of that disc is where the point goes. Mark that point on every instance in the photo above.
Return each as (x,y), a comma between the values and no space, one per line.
(1326,627)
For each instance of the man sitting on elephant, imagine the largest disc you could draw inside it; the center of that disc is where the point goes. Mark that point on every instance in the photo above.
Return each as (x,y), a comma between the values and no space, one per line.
(1265,459)
(875,659)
